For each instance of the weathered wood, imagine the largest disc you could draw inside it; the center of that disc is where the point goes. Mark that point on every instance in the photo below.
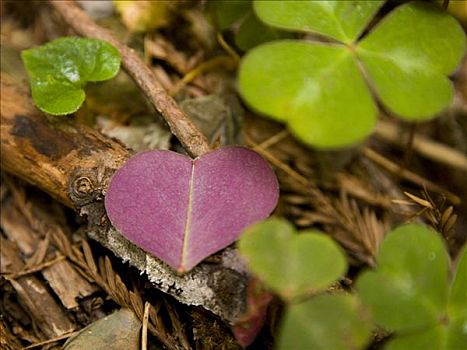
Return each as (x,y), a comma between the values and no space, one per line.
(74,163)
(66,282)
(45,311)
(70,161)
(7,340)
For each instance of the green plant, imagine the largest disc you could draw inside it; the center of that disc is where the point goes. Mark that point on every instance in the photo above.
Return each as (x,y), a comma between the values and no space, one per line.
(322,89)
(292,265)
(238,16)
(410,292)
(60,69)
(297,266)
(325,322)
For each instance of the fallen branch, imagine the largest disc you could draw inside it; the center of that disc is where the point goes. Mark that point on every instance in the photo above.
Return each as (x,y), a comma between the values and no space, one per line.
(70,161)
(74,163)
(179,123)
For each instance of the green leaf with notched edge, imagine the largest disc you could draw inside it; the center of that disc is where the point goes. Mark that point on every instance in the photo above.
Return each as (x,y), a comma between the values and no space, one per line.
(325,322)
(319,90)
(341,20)
(408,56)
(292,265)
(409,288)
(60,69)
(408,292)
(316,88)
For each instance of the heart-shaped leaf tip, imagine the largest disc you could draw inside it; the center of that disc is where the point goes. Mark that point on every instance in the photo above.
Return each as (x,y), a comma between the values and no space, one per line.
(409,292)
(318,88)
(183,210)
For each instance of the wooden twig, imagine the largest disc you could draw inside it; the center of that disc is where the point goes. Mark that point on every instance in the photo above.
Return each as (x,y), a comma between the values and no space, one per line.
(430,149)
(408,175)
(34,269)
(74,163)
(409,147)
(52,340)
(144,331)
(179,123)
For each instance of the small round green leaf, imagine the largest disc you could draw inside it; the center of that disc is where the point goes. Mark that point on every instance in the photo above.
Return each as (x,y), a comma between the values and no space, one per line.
(291,264)
(408,56)
(457,306)
(341,20)
(60,69)
(316,88)
(409,288)
(325,322)
(56,97)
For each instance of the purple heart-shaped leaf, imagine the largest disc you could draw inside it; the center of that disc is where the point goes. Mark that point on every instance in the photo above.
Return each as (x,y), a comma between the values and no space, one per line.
(183,210)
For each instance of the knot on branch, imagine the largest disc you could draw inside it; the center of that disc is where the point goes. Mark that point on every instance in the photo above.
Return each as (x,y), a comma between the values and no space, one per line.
(84,187)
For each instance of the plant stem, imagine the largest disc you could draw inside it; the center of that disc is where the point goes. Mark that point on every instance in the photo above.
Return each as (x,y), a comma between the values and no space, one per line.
(179,123)
(408,148)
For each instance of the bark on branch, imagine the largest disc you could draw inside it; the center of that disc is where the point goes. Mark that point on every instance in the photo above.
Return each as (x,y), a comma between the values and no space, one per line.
(71,162)
(179,123)
(74,163)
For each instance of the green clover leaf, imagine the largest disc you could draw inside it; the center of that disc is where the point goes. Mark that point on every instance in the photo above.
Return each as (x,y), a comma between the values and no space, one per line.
(307,85)
(408,57)
(409,292)
(292,265)
(319,89)
(60,69)
(325,322)
(340,20)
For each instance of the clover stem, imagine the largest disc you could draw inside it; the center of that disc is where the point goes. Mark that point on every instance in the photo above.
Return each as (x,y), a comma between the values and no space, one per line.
(408,148)
(352,47)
